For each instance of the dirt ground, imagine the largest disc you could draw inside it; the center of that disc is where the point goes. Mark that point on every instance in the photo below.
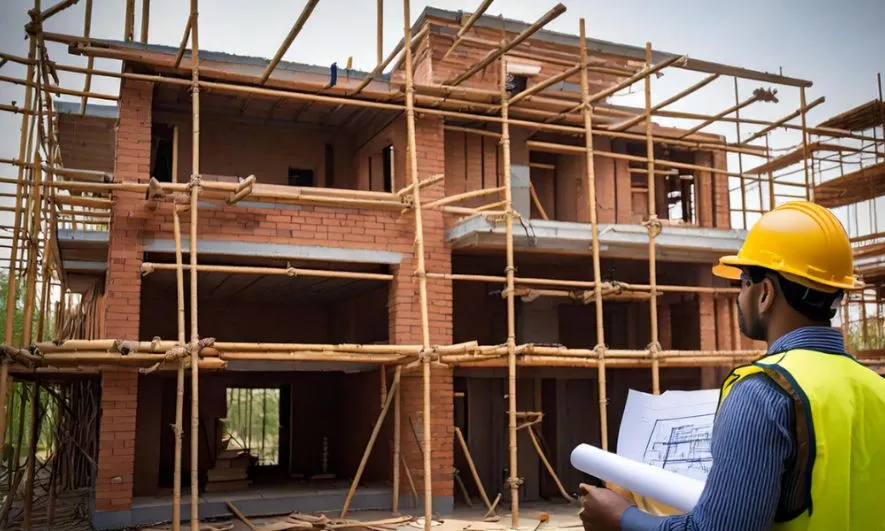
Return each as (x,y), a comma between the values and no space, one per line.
(559,516)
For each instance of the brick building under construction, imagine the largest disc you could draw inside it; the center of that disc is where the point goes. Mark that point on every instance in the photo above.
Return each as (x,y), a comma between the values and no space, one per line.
(454,267)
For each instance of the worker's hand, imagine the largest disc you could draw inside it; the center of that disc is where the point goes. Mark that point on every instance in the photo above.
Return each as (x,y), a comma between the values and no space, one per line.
(601,509)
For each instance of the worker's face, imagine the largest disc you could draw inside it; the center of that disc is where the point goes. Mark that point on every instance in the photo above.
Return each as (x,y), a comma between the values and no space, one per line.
(754,304)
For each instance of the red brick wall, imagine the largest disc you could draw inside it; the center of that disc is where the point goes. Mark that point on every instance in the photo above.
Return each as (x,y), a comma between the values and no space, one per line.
(712,197)
(87,142)
(116,443)
(123,284)
(229,147)
(471,164)
(405,326)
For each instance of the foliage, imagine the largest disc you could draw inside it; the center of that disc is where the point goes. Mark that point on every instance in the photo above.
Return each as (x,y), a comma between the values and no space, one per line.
(19,309)
(875,336)
(253,422)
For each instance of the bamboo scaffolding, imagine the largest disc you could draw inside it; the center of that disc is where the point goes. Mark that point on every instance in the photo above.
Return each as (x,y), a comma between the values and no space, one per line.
(380,68)
(194,196)
(420,271)
(758,95)
(394,389)
(805,152)
(654,228)
(623,126)
(145,19)
(589,154)
(514,480)
(476,479)
(296,29)
(61,6)
(183,46)
(179,389)
(466,27)
(294,272)
(779,122)
(545,19)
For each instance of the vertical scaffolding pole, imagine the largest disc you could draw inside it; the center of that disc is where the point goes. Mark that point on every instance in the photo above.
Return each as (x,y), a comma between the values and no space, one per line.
(737,126)
(511,302)
(33,248)
(420,271)
(771,198)
(195,337)
(397,416)
(179,389)
(808,195)
(145,19)
(654,228)
(380,37)
(13,254)
(594,227)
(87,25)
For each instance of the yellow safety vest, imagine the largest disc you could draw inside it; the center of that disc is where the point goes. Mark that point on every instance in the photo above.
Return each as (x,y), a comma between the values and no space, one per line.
(840,432)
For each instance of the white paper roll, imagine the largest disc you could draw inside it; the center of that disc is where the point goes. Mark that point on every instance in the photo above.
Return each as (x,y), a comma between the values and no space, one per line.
(661,485)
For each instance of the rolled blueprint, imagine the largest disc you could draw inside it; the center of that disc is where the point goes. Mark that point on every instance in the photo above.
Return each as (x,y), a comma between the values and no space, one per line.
(661,485)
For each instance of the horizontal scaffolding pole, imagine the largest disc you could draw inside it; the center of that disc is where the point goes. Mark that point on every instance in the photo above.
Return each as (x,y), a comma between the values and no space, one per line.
(149,267)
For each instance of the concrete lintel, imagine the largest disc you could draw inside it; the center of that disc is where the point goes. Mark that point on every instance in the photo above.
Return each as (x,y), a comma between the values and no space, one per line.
(276,250)
(306,366)
(616,240)
(84,266)
(98,237)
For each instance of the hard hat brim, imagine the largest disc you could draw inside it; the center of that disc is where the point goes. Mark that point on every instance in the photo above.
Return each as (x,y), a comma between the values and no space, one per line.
(729,267)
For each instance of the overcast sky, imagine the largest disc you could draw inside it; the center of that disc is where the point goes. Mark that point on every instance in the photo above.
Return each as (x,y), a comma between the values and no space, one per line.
(837,45)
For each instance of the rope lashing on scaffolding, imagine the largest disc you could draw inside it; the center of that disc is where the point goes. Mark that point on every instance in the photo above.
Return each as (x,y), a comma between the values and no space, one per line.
(515,483)
(654,349)
(23,356)
(654,226)
(125,347)
(194,181)
(429,355)
(291,271)
(147,269)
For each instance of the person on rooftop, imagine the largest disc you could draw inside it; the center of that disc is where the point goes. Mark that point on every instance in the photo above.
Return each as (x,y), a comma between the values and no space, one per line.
(799,435)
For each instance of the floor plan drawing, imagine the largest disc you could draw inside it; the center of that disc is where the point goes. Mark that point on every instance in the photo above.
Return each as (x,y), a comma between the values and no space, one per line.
(681,445)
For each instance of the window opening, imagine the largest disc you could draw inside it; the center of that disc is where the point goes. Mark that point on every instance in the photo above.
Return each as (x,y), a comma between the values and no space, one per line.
(253,422)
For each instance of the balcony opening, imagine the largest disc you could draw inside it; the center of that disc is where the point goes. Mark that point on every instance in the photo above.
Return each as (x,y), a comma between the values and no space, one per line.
(253,423)
(162,136)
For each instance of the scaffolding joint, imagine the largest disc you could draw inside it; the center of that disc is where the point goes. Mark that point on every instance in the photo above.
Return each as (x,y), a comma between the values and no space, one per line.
(654,226)
(600,350)
(429,355)
(654,350)
(515,483)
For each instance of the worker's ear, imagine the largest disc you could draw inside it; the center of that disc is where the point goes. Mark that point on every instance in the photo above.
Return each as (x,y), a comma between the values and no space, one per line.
(767,294)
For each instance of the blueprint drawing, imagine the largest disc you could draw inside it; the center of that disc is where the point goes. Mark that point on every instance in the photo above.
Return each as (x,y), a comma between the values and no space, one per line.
(681,445)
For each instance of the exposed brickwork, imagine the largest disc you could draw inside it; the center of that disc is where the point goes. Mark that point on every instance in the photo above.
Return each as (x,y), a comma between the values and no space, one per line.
(123,288)
(704,190)
(405,326)
(722,199)
(87,142)
(116,443)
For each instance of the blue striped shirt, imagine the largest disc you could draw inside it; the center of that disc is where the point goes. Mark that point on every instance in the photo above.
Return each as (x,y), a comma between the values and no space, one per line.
(753,480)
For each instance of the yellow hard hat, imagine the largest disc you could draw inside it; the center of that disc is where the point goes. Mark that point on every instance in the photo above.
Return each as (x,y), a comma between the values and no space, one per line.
(802,241)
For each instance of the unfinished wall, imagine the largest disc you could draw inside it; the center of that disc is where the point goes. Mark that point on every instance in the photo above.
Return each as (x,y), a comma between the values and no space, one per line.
(123,284)
(469,53)
(405,325)
(241,148)
(87,142)
(471,164)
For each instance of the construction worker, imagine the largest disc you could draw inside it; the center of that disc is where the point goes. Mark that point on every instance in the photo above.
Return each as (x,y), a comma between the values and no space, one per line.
(799,436)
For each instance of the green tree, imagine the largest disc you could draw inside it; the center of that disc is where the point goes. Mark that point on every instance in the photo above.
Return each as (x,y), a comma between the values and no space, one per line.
(18,318)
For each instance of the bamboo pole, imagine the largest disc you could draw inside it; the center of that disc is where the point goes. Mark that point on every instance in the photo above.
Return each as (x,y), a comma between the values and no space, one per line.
(550,81)
(90,61)
(760,96)
(294,272)
(479,486)
(33,246)
(145,18)
(60,90)
(557,10)
(737,125)
(32,454)
(57,8)
(397,442)
(513,480)
(23,152)
(421,271)
(654,227)
(626,124)
(194,195)
(808,192)
(129,28)
(380,68)
(589,153)
(466,27)
(179,389)
(380,41)
(547,464)
(183,46)
(394,389)
(780,122)
(296,28)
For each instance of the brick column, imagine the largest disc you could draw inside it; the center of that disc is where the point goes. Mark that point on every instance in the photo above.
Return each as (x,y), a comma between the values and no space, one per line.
(405,328)
(623,183)
(704,182)
(722,214)
(116,451)
(604,171)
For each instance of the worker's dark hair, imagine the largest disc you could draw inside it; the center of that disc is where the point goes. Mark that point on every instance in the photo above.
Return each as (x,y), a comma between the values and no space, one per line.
(814,304)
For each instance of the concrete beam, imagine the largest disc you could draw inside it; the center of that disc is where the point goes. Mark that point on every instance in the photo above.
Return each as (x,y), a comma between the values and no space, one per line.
(276,250)
(678,244)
